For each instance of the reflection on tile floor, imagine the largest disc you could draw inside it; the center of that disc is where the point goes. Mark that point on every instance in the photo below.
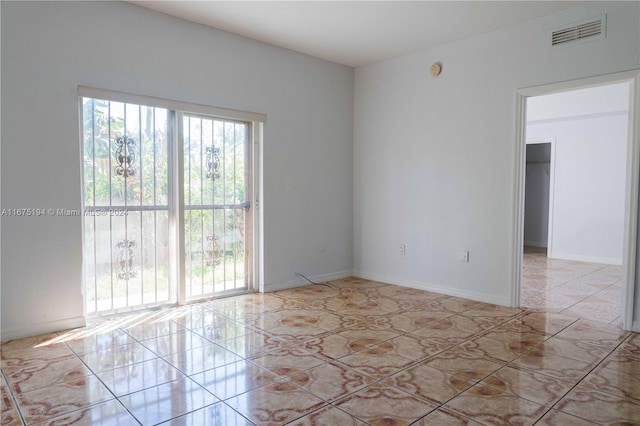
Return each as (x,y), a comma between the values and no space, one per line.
(577,289)
(351,352)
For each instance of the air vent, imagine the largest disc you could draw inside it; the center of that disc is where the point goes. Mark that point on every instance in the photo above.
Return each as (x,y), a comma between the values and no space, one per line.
(586,30)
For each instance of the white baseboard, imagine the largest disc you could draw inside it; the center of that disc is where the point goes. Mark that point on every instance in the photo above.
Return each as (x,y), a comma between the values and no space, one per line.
(42,328)
(479,297)
(635,327)
(300,282)
(579,258)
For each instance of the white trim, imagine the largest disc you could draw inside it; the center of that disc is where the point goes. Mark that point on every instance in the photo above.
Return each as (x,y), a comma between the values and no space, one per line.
(189,107)
(592,116)
(635,327)
(472,295)
(630,253)
(632,184)
(43,328)
(301,282)
(591,259)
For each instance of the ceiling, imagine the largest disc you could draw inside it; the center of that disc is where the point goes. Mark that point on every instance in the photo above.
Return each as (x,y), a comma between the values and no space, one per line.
(357,33)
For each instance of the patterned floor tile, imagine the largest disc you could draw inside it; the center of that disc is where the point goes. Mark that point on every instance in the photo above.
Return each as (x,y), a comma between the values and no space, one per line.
(444,417)
(139,376)
(58,370)
(201,359)
(233,379)
(118,356)
(599,407)
(327,416)
(44,403)
(164,402)
(529,385)
(110,413)
(385,405)
(331,381)
(287,362)
(275,404)
(429,383)
(492,406)
(215,414)
(471,366)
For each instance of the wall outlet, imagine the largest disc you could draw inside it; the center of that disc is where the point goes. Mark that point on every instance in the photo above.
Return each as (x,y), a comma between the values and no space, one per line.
(323,247)
(464,256)
(403,249)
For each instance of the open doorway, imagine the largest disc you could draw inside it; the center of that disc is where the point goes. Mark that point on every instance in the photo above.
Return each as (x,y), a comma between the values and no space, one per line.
(575,200)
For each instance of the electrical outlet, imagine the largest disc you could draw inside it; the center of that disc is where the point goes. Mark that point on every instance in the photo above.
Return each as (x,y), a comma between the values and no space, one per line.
(464,256)
(323,248)
(403,249)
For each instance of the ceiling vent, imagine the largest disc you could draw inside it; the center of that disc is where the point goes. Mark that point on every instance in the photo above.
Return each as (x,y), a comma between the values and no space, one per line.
(588,30)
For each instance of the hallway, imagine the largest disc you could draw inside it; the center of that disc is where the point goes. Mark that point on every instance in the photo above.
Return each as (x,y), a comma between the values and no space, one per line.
(578,289)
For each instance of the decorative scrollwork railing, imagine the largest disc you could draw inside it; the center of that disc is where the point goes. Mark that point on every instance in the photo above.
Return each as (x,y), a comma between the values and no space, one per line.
(126,259)
(213,162)
(125,156)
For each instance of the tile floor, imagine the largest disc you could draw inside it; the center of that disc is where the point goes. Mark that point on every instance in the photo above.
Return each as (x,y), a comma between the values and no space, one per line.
(352,352)
(577,289)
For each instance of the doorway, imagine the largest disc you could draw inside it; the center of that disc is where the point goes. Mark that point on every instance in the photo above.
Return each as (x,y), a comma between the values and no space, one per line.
(167,206)
(575,246)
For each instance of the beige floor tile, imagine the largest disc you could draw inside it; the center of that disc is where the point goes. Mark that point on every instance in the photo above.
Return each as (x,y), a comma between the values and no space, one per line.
(166,401)
(58,370)
(529,385)
(594,333)
(599,407)
(496,348)
(115,357)
(275,404)
(613,382)
(62,398)
(492,406)
(287,362)
(623,362)
(110,413)
(553,365)
(429,383)
(8,412)
(540,322)
(34,355)
(233,379)
(378,361)
(327,416)
(97,340)
(331,381)
(214,414)
(571,349)
(139,376)
(384,405)
(555,418)
(176,342)
(444,417)
(201,359)
(253,344)
(471,366)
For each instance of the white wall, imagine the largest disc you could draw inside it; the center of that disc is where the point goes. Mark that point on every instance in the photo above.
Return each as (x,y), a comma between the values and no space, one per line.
(589,186)
(434,158)
(50,48)
(537,191)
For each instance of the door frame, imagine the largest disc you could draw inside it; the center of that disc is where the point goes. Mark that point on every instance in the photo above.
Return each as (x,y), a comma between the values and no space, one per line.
(629,255)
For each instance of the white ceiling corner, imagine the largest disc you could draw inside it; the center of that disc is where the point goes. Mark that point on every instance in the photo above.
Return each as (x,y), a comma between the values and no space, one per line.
(356,33)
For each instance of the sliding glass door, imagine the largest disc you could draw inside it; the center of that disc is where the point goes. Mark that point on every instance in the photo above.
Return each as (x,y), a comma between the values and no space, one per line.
(130,206)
